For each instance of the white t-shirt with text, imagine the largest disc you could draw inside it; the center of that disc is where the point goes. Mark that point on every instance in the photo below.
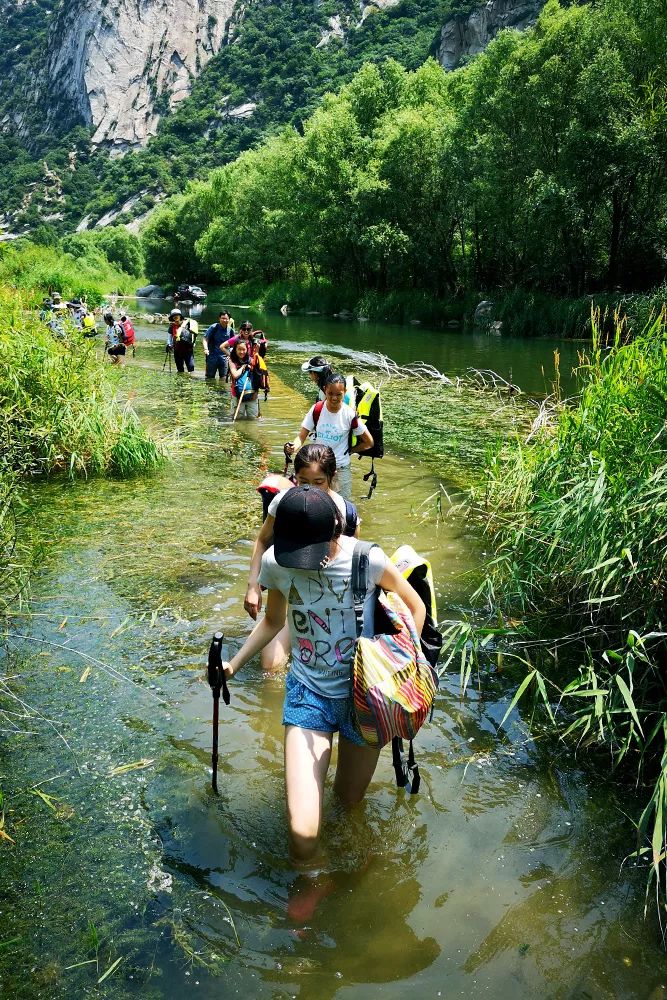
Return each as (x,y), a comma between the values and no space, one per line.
(320,616)
(333,429)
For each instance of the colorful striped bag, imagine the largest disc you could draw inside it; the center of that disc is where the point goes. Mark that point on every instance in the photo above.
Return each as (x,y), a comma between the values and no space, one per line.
(393,684)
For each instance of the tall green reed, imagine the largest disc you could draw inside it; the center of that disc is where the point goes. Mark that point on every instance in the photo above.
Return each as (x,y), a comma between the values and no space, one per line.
(58,415)
(58,412)
(578,523)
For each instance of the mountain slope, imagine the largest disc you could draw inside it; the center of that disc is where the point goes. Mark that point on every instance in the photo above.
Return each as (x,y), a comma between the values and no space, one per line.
(58,124)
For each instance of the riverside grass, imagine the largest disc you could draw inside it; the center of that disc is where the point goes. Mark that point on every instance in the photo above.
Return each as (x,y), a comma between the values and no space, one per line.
(58,415)
(578,520)
(37,269)
(58,412)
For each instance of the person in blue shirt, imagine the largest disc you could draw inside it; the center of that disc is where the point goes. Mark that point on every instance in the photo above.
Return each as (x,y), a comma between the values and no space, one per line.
(216,335)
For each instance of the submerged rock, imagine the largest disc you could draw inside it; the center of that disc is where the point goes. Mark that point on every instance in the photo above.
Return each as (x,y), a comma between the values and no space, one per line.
(150,292)
(483,313)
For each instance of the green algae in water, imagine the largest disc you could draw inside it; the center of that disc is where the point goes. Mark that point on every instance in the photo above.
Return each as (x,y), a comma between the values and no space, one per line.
(450,429)
(96,860)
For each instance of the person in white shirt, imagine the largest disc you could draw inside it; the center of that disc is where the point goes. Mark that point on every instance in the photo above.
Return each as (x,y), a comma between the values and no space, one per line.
(333,423)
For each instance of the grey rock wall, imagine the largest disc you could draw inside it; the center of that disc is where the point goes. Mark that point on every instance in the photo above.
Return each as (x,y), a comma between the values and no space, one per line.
(120,65)
(467,35)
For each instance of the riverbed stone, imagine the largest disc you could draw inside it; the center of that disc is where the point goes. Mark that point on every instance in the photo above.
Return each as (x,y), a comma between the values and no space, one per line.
(483,313)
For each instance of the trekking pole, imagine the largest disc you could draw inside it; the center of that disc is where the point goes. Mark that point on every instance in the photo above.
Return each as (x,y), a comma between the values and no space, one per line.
(217,681)
(239,404)
(288,457)
(166,356)
(243,392)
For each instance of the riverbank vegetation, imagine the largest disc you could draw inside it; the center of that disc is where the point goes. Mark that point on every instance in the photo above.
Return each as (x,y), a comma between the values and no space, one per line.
(87,265)
(58,415)
(578,523)
(516,171)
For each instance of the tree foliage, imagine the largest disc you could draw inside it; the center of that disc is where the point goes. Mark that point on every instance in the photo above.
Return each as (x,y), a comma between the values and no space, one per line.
(539,164)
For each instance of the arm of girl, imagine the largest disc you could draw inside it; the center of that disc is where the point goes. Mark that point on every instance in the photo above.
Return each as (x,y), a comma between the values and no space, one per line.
(364,443)
(253,595)
(299,440)
(392,580)
(262,634)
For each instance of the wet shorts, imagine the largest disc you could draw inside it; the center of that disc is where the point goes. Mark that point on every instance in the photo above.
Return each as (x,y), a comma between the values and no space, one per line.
(308,710)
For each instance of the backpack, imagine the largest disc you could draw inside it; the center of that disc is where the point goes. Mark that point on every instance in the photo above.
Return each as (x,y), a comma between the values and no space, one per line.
(128,333)
(188,331)
(417,571)
(393,683)
(367,403)
(260,375)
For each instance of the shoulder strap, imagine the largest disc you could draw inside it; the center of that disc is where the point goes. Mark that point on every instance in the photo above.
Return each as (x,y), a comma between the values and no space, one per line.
(359,580)
(317,411)
(350,394)
(350,518)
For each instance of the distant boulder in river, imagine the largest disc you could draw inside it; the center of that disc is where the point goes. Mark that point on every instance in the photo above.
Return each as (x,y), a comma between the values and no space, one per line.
(150,292)
(483,313)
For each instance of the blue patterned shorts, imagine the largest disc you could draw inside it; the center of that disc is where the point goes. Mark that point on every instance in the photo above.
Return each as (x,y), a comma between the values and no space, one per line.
(308,710)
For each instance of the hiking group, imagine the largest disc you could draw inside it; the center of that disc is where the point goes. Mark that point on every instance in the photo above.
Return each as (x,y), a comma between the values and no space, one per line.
(357,627)
(237,357)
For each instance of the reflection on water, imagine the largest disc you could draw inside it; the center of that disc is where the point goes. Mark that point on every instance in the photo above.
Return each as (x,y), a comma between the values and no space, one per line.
(527,363)
(500,879)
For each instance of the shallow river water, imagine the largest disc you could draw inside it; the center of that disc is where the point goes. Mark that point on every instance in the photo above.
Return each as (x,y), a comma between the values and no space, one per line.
(502,878)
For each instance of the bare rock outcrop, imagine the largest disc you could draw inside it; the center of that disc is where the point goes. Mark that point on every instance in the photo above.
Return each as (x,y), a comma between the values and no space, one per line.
(466,35)
(119,66)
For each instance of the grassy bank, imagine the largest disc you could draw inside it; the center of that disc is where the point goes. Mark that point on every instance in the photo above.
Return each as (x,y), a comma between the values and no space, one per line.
(522,313)
(58,414)
(578,523)
(76,268)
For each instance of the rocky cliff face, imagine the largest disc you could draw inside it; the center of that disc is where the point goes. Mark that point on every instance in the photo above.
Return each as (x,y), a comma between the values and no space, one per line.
(467,35)
(119,66)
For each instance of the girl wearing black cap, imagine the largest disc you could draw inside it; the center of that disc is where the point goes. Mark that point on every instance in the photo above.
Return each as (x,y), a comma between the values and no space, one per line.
(314,465)
(307,575)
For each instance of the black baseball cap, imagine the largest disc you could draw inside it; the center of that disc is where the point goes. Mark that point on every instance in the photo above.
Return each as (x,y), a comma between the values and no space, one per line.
(305,525)
(316,364)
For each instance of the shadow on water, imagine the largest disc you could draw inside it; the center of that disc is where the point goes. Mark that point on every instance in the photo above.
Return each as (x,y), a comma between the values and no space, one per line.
(500,879)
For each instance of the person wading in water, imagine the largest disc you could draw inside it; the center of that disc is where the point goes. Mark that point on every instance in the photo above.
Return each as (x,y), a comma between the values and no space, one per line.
(242,370)
(314,465)
(307,575)
(320,371)
(217,358)
(332,421)
(181,341)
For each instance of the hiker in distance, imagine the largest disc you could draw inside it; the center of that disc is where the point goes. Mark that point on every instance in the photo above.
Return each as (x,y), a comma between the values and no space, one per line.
(244,392)
(181,340)
(217,358)
(333,423)
(314,465)
(307,576)
(114,339)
